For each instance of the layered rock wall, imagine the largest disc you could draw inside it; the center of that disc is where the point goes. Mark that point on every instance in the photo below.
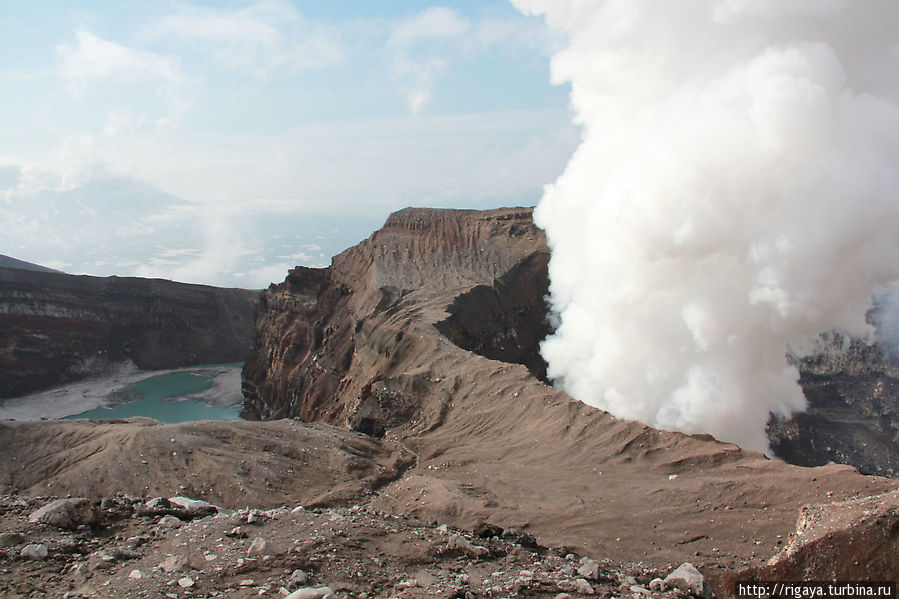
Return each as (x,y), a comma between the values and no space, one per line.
(57,328)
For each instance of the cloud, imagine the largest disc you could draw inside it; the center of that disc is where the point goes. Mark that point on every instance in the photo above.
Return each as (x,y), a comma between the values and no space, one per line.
(434,23)
(734,195)
(91,59)
(10,176)
(260,37)
(430,42)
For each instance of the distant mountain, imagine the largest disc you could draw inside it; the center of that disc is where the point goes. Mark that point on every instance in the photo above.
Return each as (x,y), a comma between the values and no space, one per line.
(8,262)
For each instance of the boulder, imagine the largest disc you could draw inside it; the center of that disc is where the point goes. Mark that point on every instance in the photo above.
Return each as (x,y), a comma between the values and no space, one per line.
(312,593)
(68,513)
(588,569)
(846,540)
(258,548)
(688,579)
(35,551)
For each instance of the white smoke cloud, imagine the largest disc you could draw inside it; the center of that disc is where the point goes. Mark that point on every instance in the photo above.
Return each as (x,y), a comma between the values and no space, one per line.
(735,194)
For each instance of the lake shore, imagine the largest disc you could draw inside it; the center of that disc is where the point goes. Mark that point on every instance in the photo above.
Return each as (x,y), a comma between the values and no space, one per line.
(76,398)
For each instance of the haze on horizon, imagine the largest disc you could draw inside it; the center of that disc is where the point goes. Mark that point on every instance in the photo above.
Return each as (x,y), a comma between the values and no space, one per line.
(225,142)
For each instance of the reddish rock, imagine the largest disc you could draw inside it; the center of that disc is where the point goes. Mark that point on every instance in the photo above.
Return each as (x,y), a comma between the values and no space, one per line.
(847,540)
(68,513)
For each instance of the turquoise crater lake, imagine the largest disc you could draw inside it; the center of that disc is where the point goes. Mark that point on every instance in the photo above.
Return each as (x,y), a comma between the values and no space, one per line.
(201,393)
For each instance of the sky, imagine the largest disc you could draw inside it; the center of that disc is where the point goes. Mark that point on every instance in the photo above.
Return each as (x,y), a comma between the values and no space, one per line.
(223,142)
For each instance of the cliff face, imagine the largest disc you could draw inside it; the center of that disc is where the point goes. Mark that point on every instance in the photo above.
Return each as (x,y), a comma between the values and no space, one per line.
(328,341)
(852,389)
(57,328)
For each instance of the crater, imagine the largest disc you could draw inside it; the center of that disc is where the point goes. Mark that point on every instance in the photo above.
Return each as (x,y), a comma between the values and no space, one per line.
(847,421)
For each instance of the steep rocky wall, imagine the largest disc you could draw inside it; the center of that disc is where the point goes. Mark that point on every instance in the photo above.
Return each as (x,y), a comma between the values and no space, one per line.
(852,388)
(58,328)
(326,340)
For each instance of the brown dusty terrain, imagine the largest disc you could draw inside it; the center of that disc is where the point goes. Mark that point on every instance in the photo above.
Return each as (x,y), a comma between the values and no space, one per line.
(454,437)
(356,551)
(231,464)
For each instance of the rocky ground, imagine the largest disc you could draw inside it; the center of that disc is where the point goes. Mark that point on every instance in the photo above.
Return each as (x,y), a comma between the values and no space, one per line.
(131,547)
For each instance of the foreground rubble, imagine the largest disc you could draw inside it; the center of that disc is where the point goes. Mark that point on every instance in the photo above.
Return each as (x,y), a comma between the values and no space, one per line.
(140,548)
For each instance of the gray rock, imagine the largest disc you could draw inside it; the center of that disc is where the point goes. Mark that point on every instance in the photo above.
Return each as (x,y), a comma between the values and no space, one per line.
(8,539)
(312,593)
(158,503)
(297,579)
(68,513)
(35,551)
(173,563)
(460,542)
(186,582)
(583,587)
(588,569)
(687,578)
(258,548)
(118,554)
(170,521)
(637,590)
(193,505)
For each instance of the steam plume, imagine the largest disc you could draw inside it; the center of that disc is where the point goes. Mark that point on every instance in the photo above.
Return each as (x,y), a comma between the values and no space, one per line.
(735,194)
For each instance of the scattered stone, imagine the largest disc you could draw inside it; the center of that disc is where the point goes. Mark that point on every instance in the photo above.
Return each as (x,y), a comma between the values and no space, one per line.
(35,551)
(258,548)
(158,503)
(521,538)
(116,554)
(637,590)
(297,579)
(186,583)
(583,587)
(236,533)
(485,530)
(687,578)
(193,505)
(136,575)
(312,593)
(68,513)
(135,542)
(460,542)
(562,596)
(173,563)
(588,569)
(9,539)
(255,517)
(170,521)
